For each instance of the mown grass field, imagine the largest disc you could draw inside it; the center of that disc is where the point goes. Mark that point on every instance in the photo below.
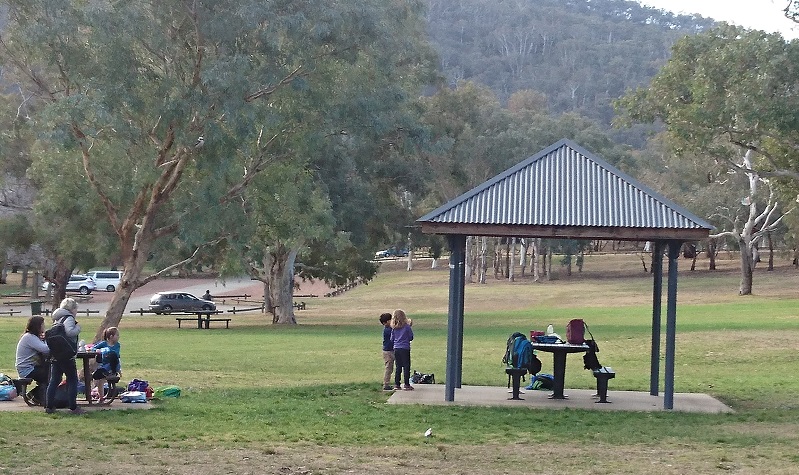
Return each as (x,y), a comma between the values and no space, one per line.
(306,399)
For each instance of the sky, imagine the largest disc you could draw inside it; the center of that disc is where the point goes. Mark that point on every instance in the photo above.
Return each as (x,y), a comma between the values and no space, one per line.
(764,15)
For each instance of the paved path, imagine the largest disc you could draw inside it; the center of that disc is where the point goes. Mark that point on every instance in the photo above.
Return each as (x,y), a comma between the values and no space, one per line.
(98,301)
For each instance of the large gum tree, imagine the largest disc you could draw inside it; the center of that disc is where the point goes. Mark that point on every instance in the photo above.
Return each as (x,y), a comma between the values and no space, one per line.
(168,110)
(729,97)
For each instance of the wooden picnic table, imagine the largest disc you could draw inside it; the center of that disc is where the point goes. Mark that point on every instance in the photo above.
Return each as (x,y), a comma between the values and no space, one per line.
(203,319)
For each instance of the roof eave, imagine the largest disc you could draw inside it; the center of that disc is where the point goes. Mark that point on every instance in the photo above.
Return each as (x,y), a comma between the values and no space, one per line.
(567,232)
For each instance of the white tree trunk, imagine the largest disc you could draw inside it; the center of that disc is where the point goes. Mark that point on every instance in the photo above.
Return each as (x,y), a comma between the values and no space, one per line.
(536,261)
(512,260)
(483,260)
(469,268)
(410,253)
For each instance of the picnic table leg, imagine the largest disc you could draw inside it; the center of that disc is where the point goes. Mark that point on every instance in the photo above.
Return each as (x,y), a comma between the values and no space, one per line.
(199,321)
(87,380)
(559,368)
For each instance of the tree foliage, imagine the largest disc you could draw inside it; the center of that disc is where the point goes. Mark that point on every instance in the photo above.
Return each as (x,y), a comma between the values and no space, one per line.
(729,97)
(581,55)
(128,88)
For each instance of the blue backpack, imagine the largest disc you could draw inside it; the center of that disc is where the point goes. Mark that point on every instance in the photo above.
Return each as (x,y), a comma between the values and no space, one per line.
(519,354)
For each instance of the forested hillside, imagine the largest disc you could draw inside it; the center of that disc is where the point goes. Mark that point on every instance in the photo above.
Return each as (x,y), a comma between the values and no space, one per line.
(581,54)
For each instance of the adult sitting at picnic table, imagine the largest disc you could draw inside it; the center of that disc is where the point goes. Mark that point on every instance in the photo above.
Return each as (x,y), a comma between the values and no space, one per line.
(32,352)
(207,295)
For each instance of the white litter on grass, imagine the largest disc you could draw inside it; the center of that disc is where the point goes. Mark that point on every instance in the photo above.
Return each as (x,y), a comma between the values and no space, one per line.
(428,432)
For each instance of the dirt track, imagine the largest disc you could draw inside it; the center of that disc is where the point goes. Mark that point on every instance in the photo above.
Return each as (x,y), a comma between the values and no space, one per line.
(99,300)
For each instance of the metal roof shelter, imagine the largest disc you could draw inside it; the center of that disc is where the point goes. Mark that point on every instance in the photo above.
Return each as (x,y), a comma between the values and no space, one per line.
(566,192)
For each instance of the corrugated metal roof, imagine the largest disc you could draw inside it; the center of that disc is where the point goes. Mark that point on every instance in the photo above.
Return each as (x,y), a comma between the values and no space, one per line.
(564,186)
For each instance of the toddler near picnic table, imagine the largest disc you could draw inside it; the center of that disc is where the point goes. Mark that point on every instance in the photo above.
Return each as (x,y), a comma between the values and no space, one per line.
(108,357)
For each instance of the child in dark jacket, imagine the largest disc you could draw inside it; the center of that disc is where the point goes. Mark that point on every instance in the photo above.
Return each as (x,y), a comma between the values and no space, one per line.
(388,351)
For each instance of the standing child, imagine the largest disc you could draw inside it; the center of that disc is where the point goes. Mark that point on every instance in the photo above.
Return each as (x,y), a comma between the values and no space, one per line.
(108,352)
(388,351)
(401,337)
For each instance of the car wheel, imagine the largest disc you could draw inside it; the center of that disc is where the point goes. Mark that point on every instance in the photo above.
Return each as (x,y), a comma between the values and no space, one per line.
(84,290)
(206,307)
(167,308)
(110,288)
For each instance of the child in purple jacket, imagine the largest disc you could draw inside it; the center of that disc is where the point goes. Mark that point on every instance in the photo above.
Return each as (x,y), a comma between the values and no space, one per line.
(401,337)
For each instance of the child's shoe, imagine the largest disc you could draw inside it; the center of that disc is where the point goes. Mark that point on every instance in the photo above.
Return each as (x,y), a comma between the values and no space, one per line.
(387,387)
(397,388)
(408,387)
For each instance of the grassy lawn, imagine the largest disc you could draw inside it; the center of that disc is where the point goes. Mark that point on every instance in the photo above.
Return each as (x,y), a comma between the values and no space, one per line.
(306,399)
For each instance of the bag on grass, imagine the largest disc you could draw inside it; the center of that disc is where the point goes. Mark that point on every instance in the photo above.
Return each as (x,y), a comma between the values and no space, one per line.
(167,391)
(62,347)
(133,396)
(138,385)
(8,392)
(61,399)
(542,381)
(423,378)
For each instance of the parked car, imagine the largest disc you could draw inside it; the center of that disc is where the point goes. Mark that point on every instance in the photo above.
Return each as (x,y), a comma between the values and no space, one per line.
(391,252)
(76,283)
(106,279)
(166,302)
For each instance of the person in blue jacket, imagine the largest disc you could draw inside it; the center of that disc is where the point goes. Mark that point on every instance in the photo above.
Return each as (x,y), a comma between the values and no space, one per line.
(388,351)
(108,357)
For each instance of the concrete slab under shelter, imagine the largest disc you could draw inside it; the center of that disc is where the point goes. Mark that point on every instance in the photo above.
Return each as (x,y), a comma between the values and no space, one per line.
(499,396)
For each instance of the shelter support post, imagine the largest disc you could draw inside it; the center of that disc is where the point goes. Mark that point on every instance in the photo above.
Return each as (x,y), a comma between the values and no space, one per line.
(457,246)
(671,325)
(657,302)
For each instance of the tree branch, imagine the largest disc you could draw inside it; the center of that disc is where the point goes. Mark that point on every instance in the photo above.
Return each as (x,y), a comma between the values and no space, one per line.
(271,89)
(185,261)
(109,206)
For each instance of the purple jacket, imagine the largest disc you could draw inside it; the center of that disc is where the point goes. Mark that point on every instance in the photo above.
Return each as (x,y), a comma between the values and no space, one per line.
(401,337)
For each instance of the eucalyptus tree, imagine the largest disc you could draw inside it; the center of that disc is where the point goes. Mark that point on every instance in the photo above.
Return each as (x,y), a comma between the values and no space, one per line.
(170,109)
(729,96)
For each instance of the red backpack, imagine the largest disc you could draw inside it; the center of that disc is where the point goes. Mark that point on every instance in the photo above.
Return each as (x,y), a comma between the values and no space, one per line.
(575,332)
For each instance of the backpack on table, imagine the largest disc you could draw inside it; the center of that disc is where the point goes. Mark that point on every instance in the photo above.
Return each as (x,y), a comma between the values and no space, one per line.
(575,331)
(62,347)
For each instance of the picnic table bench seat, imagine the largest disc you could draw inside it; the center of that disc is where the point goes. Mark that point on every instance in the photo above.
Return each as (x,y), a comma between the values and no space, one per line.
(603,375)
(516,375)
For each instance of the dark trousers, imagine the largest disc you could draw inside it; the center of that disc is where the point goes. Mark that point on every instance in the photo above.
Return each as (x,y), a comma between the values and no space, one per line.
(58,369)
(39,374)
(402,365)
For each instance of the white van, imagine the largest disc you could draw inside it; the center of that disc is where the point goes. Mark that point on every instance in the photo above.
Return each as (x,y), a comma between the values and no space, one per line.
(106,279)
